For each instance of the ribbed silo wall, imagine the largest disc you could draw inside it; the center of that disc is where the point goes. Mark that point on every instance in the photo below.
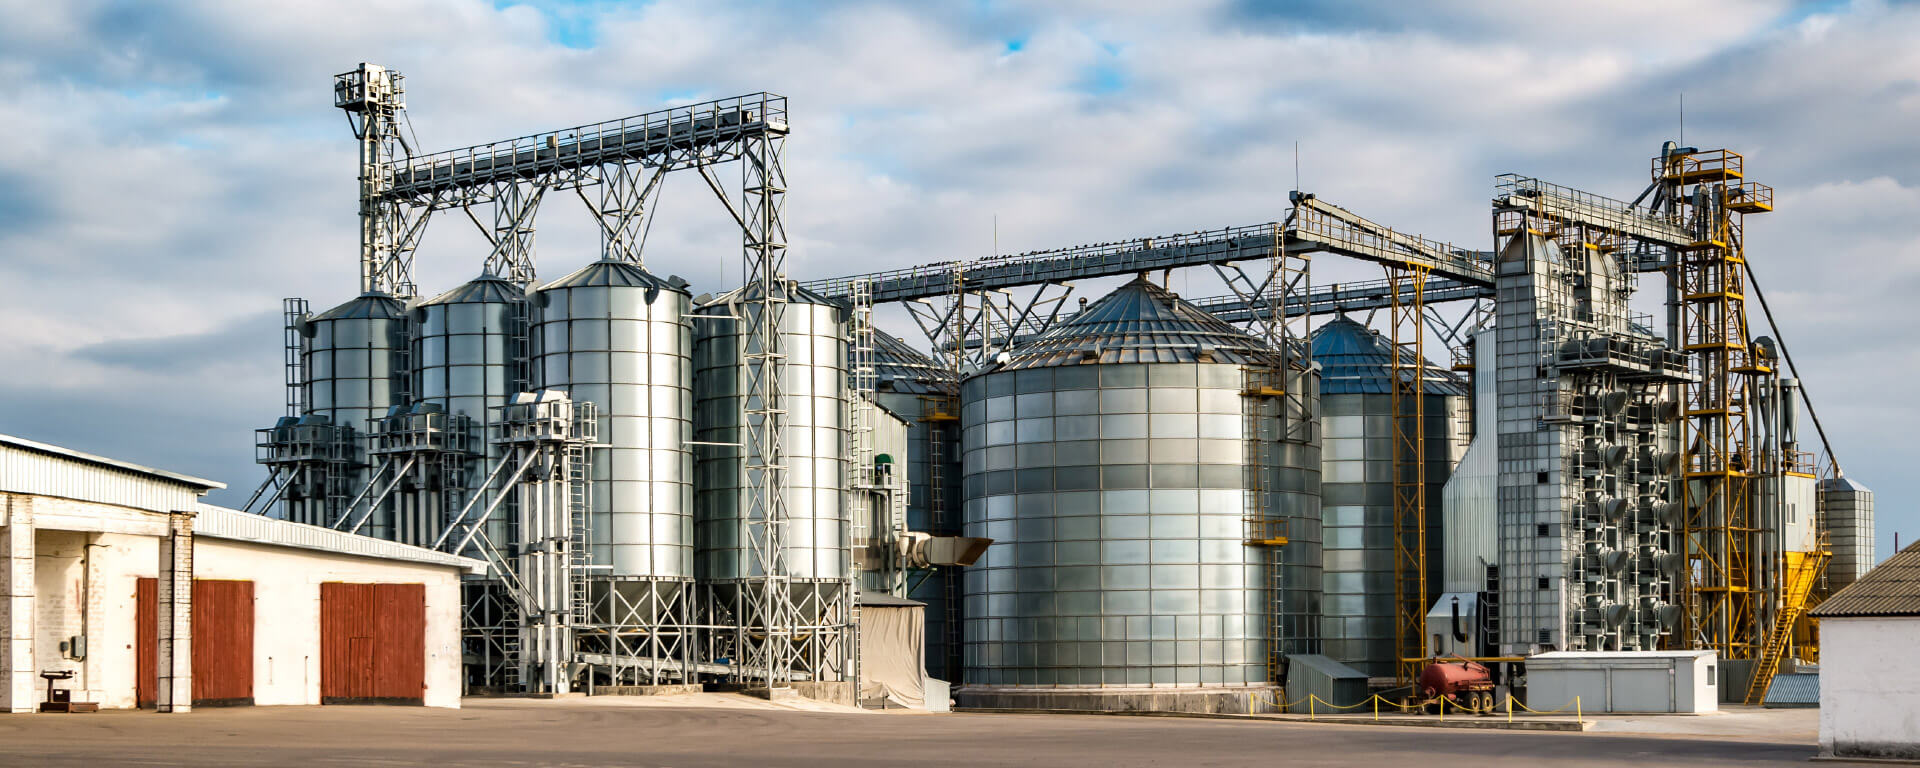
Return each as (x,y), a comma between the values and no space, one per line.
(354,361)
(464,345)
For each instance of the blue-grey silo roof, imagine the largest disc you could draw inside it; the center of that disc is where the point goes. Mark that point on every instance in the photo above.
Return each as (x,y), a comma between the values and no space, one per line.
(485,289)
(899,367)
(1355,360)
(612,273)
(366,306)
(1140,323)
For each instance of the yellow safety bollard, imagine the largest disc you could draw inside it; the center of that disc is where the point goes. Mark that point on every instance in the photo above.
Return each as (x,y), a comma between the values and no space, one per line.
(1376,707)
(1509,708)
(1579,716)
(1443,708)
(1312,700)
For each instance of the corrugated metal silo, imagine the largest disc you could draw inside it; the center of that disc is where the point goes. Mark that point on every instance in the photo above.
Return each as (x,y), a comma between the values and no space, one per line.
(913,386)
(465,343)
(1846,517)
(1108,461)
(813,333)
(354,368)
(618,336)
(1357,488)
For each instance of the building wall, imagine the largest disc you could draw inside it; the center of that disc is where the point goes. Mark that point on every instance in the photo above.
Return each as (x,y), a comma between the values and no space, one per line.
(84,582)
(1869,705)
(287,620)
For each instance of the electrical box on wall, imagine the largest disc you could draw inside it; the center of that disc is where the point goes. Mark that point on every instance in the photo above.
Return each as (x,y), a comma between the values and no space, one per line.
(74,647)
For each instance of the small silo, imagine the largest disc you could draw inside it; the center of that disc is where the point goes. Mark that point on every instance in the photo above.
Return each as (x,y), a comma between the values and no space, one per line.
(916,388)
(1846,520)
(1109,461)
(813,375)
(465,344)
(613,334)
(354,369)
(1357,488)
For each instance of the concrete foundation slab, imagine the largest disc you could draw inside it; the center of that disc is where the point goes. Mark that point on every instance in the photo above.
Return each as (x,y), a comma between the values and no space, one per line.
(1240,700)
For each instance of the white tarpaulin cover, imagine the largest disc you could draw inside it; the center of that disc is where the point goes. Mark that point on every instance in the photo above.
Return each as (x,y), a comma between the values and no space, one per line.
(892,650)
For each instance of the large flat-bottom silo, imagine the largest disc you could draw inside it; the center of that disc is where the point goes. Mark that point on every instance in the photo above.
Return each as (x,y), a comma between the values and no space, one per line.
(1109,461)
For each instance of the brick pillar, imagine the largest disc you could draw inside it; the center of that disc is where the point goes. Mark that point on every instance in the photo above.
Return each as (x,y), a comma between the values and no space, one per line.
(173,651)
(18,678)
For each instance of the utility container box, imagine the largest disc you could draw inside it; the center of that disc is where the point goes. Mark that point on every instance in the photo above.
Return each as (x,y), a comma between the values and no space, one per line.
(1624,681)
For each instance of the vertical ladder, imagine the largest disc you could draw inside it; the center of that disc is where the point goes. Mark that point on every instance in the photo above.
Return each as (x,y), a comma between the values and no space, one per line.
(579,464)
(1264,528)
(1803,572)
(860,366)
(296,356)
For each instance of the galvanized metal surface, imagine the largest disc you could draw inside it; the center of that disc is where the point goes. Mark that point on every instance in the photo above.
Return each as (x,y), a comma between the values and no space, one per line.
(1846,518)
(31,467)
(813,330)
(615,335)
(1357,604)
(354,363)
(1115,494)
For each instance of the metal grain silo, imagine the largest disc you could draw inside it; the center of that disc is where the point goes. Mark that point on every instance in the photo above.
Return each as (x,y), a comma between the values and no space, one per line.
(465,347)
(1846,519)
(618,336)
(916,388)
(813,332)
(1357,489)
(1109,461)
(354,367)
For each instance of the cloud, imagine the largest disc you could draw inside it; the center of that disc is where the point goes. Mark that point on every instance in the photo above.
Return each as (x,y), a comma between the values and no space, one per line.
(173,170)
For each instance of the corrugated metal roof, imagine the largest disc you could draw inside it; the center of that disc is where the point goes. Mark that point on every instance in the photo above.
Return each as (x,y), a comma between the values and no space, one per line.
(378,306)
(485,289)
(1892,589)
(32,467)
(234,525)
(1354,359)
(899,367)
(1140,323)
(1799,689)
(607,272)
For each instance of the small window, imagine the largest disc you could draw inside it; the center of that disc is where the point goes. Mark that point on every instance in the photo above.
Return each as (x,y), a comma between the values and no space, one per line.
(1710,675)
(1540,530)
(1540,477)
(1544,584)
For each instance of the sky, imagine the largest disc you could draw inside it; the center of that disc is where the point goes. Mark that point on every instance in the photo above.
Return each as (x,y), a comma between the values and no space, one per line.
(170,171)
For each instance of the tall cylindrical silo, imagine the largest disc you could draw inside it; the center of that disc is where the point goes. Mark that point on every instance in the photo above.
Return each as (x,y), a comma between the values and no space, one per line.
(613,334)
(465,346)
(916,388)
(813,333)
(815,531)
(354,368)
(1109,461)
(1357,488)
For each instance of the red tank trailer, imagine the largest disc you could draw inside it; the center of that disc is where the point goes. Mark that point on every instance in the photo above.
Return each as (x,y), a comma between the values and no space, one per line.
(1464,684)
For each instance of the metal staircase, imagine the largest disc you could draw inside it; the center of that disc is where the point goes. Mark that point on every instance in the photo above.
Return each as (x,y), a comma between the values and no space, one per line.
(1803,572)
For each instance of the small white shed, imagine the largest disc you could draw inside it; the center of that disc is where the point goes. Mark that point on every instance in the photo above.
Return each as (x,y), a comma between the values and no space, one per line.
(1869,674)
(1624,681)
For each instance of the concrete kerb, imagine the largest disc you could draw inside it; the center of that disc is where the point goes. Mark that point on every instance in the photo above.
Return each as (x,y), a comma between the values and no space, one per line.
(1467,722)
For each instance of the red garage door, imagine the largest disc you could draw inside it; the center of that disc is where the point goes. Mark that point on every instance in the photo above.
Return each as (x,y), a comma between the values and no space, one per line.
(373,643)
(222,642)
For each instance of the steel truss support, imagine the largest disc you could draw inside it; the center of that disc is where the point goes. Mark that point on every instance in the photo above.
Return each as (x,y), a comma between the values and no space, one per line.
(1720,529)
(983,323)
(1408,398)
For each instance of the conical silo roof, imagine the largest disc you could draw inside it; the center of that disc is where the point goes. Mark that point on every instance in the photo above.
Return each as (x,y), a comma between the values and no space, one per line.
(366,306)
(612,273)
(485,289)
(1140,323)
(1356,360)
